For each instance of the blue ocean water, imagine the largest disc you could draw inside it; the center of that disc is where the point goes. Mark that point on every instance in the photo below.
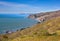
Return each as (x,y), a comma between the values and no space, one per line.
(14,22)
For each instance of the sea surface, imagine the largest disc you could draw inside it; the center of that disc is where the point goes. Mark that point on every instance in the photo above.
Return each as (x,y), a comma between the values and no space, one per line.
(14,23)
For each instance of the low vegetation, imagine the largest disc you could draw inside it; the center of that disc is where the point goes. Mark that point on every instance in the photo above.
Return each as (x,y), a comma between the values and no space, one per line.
(46,31)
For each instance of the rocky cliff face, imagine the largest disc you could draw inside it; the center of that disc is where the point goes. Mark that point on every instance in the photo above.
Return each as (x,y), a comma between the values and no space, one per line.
(45,16)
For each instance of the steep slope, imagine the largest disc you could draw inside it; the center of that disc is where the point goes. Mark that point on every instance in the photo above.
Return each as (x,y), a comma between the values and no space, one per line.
(53,24)
(46,31)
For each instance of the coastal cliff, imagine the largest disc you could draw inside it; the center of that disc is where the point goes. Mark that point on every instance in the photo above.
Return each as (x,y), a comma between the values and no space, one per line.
(45,15)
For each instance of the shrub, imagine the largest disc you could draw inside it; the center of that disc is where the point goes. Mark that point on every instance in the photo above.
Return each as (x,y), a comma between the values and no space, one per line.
(35,33)
(5,36)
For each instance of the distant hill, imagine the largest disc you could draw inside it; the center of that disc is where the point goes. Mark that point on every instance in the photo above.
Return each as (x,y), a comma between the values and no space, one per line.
(45,15)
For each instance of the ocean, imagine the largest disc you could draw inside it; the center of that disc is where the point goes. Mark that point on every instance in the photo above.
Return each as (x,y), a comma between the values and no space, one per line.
(10,23)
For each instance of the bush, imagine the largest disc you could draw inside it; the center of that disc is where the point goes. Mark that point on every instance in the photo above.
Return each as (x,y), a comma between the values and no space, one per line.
(5,36)
(47,34)
(35,33)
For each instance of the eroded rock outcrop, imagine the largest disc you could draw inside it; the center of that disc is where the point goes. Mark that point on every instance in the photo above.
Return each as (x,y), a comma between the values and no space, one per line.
(45,16)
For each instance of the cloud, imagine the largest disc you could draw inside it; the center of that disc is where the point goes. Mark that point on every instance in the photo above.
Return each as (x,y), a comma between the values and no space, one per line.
(16,8)
(7,7)
(12,4)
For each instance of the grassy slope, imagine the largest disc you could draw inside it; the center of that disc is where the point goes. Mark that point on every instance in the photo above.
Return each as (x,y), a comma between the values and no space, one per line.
(38,32)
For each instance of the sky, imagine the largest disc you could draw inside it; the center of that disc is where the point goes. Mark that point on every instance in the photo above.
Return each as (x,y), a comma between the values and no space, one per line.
(28,6)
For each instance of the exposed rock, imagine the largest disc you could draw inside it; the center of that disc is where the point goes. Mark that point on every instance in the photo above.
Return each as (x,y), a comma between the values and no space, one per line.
(22,29)
(45,16)
(8,32)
